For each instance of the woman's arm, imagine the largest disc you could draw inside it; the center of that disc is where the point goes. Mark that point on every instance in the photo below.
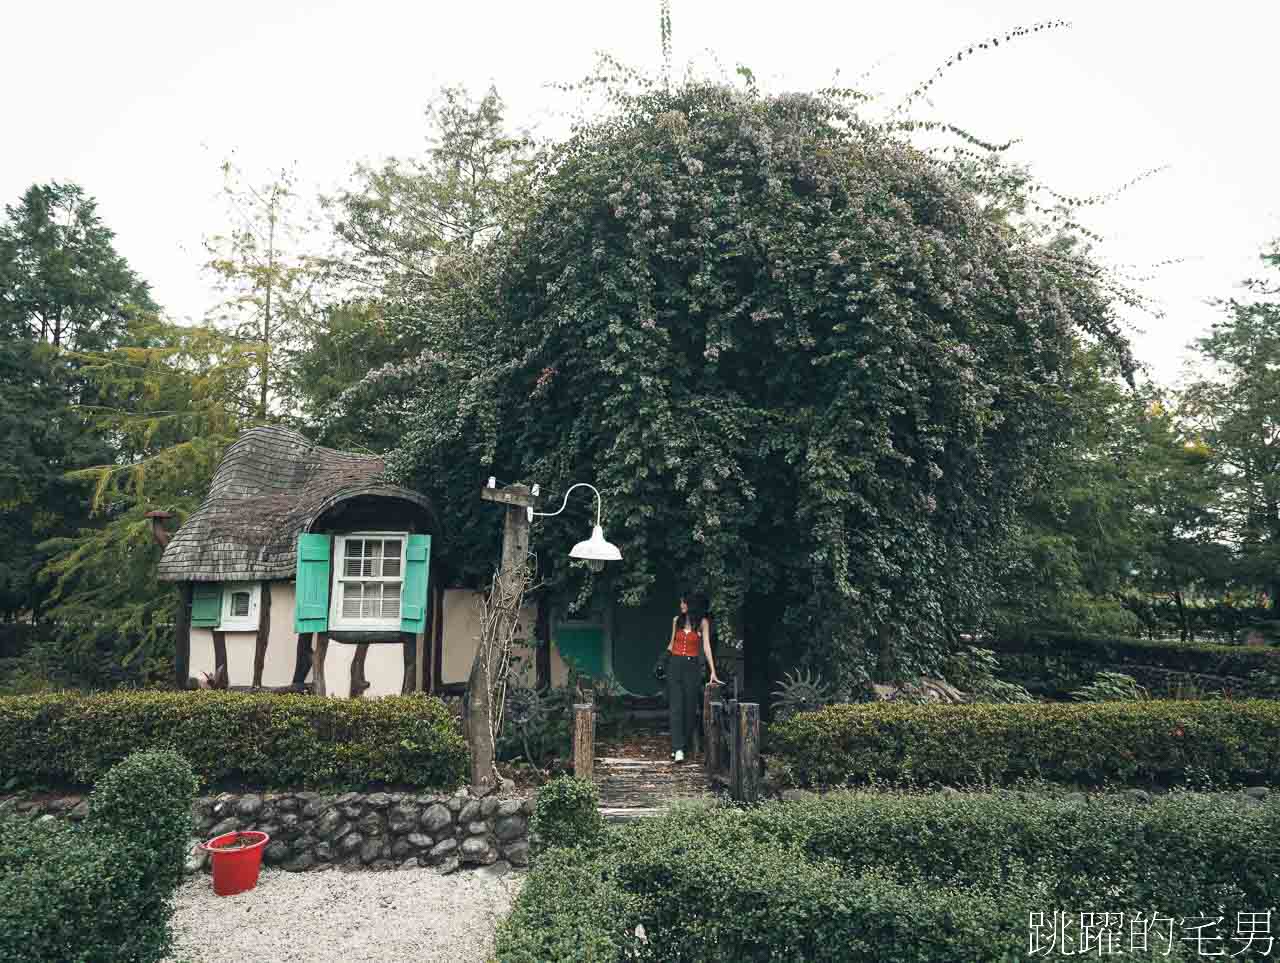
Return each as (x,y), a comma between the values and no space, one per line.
(706,648)
(671,645)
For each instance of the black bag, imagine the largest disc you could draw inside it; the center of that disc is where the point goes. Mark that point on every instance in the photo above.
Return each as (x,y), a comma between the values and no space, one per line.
(660,668)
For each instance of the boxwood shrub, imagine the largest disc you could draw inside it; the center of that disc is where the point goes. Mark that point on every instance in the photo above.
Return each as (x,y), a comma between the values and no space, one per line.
(101,891)
(567,813)
(1137,743)
(893,877)
(262,740)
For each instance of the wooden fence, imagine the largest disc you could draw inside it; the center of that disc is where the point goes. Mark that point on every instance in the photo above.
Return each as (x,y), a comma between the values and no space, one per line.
(731,734)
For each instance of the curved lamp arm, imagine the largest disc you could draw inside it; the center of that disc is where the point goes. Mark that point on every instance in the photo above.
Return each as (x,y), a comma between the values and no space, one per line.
(533,514)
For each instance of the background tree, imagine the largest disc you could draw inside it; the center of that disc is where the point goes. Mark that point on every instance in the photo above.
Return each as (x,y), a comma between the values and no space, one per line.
(802,360)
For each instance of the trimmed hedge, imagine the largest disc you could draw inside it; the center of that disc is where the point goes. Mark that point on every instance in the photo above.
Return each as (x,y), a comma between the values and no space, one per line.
(255,739)
(1158,743)
(892,877)
(1196,657)
(567,813)
(103,891)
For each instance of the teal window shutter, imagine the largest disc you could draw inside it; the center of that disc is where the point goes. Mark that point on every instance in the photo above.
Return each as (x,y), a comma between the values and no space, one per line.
(206,605)
(311,589)
(413,595)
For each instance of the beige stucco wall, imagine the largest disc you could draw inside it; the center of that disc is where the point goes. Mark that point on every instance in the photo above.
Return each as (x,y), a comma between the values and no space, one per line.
(384,665)
(462,631)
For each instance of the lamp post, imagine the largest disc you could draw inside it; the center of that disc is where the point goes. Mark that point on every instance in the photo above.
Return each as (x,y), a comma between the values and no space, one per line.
(595,550)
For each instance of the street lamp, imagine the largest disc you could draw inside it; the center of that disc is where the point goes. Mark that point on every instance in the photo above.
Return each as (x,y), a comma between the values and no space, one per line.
(595,550)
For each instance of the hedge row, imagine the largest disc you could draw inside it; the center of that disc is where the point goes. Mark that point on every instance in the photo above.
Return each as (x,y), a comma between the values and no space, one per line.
(101,891)
(232,738)
(1196,657)
(893,877)
(1136,743)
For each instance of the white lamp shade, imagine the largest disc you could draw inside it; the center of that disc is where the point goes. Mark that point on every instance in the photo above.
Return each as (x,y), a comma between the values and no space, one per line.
(596,548)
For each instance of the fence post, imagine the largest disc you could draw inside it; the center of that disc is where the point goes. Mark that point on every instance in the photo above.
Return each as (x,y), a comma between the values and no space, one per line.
(715,745)
(747,752)
(734,748)
(584,739)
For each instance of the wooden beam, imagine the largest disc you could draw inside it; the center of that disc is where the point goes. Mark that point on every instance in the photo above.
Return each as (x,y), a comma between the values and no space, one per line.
(220,655)
(264,632)
(302,659)
(437,647)
(512,495)
(584,740)
(409,660)
(358,682)
(317,664)
(182,636)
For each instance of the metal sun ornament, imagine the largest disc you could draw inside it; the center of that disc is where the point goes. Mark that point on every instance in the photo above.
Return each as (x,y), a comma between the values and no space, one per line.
(595,550)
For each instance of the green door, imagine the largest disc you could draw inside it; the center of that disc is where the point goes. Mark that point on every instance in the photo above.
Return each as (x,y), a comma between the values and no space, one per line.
(640,636)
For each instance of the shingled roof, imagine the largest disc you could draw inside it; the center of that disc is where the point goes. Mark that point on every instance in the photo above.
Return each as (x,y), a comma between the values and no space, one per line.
(271,484)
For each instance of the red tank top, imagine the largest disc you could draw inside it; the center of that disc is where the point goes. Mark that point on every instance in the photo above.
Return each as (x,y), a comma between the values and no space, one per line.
(687,642)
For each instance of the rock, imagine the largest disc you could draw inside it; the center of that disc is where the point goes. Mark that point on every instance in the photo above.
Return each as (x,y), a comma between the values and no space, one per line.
(475,849)
(382,865)
(478,828)
(346,799)
(446,847)
(289,826)
(410,863)
(470,812)
(517,854)
(401,848)
(299,863)
(496,871)
(509,807)
(47,818)
(378,800)
(372,825)
(507,785)
(450,865)
(456,803)
(1251,800)
(352,811)
(350,843)
(227,825)
(327,825)
(80,811)
(195,861)
(249,806)
(436,818)
(1256,792)
(271,829)
(323,852)
(287,805)
(313,806)
(488,806)
(275,853)
(419,841)
(402,820)
(509,828)
(371,850)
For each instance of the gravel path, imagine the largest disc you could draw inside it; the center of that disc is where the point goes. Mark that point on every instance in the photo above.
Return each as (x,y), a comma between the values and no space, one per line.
(414,914)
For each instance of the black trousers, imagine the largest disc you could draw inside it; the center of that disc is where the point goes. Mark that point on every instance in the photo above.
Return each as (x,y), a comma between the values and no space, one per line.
(684,693)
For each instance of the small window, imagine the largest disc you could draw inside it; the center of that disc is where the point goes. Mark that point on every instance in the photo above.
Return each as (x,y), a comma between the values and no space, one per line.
(367,580)
(240,606)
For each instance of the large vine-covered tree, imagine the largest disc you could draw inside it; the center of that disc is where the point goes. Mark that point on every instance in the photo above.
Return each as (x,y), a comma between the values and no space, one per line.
(810,365)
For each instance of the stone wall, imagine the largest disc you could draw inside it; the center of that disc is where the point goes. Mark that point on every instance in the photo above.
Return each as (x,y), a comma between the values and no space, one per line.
(351,831)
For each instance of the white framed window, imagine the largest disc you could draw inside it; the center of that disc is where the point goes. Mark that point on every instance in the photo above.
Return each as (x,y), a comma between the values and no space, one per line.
(368,575)
(240,602)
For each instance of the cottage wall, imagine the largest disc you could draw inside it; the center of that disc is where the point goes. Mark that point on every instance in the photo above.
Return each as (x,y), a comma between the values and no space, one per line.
(282,646)
(462,634)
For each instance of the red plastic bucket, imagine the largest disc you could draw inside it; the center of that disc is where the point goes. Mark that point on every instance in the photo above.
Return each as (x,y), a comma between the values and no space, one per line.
(236,870)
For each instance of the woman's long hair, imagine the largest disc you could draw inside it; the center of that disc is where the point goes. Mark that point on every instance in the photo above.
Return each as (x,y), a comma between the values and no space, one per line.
(687,620)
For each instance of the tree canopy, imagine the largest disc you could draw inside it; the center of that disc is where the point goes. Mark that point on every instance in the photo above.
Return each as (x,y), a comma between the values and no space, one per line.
(810,366)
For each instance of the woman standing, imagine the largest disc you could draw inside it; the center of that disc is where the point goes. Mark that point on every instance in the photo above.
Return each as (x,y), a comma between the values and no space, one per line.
(690,642)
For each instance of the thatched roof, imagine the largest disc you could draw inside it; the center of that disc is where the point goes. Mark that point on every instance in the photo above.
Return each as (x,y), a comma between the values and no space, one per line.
(271,484)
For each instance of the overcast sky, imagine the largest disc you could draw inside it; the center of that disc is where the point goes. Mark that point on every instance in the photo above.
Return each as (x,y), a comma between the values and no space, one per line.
(139,101)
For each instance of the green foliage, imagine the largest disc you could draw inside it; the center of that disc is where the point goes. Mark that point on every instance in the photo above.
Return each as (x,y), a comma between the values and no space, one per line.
(100,892)
(975,672)
(567,814)
(1111,687)
(1152,742)
(260,740)
(803,346)
(830,879)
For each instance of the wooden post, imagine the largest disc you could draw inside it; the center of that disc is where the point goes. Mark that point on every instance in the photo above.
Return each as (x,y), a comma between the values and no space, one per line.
(708,696)
(515,554)
(584,740)
(182,636)
(220,669)
(302,659)
(317,663)
(264,633)
(715,744)
(746,757)
(410,665)
(358,682)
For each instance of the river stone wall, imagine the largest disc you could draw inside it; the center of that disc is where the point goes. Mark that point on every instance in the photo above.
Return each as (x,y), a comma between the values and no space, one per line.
(350,831)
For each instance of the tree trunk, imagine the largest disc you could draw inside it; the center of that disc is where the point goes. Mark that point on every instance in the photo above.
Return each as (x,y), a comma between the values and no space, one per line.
(1182,614)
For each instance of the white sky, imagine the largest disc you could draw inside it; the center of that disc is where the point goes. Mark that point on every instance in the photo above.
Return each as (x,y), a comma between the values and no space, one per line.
(139,101)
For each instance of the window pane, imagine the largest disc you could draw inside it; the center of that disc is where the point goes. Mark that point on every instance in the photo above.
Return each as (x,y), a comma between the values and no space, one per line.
(391,565)
(351,593)
(239,605)
(372,554)
(372,601)
(351,556)
(391,600)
